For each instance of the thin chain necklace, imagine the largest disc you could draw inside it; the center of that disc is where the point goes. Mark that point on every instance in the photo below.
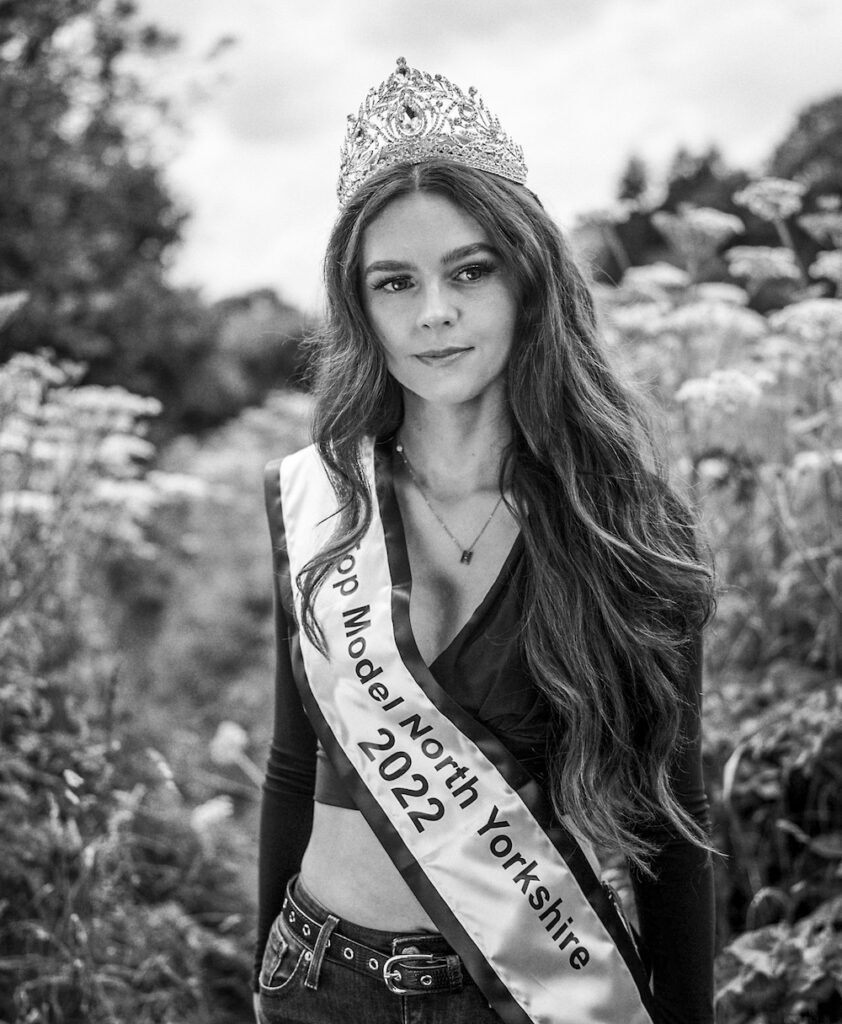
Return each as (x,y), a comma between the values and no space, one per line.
(467,553)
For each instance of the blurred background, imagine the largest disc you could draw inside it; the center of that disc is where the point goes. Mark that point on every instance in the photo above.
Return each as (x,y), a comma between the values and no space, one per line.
(167,185)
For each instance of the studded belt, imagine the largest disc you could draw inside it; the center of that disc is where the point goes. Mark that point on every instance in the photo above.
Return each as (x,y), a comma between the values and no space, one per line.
(407,973)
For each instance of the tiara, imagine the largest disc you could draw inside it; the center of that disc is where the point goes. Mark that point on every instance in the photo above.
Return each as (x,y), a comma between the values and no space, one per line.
(413,116)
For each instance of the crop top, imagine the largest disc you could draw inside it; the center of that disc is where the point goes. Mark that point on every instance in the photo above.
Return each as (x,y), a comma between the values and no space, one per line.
(484,670)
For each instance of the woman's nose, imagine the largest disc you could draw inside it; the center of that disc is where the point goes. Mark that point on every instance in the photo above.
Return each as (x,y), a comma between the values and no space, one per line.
(437,308)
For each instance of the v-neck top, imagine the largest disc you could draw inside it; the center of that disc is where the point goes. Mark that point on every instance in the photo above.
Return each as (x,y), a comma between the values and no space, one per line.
(481,668)
(484,670)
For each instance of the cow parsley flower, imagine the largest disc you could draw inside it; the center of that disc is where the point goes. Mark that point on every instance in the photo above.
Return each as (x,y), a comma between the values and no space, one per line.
(759,263)
(829,265)
(772,198)
(722,391)
(813,320)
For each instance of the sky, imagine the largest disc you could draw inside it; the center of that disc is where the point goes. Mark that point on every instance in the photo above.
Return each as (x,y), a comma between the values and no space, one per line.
(580,84)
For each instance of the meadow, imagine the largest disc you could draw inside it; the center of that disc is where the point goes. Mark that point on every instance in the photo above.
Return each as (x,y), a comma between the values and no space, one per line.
(136,648)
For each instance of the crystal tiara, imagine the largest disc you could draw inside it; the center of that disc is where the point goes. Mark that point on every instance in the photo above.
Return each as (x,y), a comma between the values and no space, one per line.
(414,116)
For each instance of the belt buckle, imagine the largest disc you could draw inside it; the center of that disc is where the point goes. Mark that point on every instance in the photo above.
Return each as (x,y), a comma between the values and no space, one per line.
(389,973)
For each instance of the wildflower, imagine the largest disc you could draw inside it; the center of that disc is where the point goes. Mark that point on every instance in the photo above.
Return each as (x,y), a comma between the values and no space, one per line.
(13,441)
(714,471)
(759,263)
(209,815)
(712,224)
(638,320)
(779,355)
(608,215)
(177,485)
(722,391)
(772,198)
(659,275)
(824,227)
(118,452)
(828,264)
(812,320)
(33,503)
(228,744)
(721,291)
(133,496)
(732,324)
(696,232)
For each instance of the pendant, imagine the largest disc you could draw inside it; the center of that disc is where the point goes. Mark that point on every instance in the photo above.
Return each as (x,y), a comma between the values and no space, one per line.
(466,557)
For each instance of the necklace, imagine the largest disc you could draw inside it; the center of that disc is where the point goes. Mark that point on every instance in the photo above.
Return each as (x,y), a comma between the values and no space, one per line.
(467,553)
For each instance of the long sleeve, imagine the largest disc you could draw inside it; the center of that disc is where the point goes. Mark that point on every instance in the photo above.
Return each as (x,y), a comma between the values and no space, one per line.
(287,807)
(676,908)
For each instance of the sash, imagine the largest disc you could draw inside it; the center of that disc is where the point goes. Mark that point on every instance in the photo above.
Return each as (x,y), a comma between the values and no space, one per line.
(471,833)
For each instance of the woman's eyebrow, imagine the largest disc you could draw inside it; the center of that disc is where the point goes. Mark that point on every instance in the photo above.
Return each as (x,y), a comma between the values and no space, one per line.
(472,249)
(468,250)
(391,265)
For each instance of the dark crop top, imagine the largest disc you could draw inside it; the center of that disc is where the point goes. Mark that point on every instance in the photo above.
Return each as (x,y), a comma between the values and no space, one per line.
(484,670)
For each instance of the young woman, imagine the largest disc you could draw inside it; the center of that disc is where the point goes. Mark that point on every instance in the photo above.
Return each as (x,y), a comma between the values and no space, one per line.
(489,606)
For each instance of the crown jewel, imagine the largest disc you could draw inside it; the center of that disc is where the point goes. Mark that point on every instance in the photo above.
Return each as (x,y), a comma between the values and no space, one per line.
(414,116)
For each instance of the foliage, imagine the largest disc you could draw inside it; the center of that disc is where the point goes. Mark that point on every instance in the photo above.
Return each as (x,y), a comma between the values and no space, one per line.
(753,407)
(779,975)
(84,208)
(118,903)
(812,150)
(87,222)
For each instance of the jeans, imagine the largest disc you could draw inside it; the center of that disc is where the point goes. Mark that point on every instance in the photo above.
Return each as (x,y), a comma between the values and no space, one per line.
(342,995)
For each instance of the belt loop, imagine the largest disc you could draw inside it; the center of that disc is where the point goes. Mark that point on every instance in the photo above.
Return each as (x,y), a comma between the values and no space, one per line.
(311,979)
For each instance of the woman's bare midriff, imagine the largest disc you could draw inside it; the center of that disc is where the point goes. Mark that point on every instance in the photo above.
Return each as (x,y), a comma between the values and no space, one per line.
(349,872)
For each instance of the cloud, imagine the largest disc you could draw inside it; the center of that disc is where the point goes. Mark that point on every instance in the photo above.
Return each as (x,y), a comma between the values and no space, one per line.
(580,84)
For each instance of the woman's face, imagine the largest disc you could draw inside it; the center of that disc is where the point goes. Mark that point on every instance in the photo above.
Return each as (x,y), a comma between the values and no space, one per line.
(439,299)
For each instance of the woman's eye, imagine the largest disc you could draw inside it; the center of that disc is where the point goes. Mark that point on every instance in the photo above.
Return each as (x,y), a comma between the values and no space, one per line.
(475,272)
(392,284)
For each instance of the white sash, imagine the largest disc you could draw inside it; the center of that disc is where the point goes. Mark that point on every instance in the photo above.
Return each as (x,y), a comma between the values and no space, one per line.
(514,895)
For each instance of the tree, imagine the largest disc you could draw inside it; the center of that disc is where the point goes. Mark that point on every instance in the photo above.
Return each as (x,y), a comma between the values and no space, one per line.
(634,180)
(812,151)
(84,212)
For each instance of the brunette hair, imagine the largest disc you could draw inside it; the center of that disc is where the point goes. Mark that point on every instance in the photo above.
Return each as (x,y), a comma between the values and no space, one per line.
(615,591)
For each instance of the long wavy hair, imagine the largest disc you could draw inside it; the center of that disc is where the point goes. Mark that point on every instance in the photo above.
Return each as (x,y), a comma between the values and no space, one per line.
(615,590)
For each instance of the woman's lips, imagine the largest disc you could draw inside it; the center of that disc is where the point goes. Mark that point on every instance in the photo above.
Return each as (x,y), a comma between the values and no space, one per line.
(441,356)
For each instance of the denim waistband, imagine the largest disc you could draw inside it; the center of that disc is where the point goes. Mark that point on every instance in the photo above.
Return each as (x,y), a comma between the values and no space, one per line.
(426,942)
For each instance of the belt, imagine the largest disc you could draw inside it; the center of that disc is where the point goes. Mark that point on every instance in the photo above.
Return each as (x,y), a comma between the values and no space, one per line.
(408,973)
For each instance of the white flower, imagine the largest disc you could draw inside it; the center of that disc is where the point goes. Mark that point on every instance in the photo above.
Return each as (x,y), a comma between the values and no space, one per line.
(812,320)
(13,441)
(133,496)
(810,462)
(760,263)
(660,275)
(118,452)
(713,224)
(607,215)
(721,291)
(33,503)
(727,323)
(105,402)
(178,485)
(723,390)
(714,471)
(209,815)
(772,198)
(780,355)
(637,319)
(228,744)
(828,264)
(824,226)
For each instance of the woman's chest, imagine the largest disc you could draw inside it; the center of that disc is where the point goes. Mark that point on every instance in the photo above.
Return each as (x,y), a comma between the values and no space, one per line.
(448,590)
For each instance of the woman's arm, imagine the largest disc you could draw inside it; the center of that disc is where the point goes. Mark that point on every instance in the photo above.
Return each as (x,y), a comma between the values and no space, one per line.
(287,809)
(676,908)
